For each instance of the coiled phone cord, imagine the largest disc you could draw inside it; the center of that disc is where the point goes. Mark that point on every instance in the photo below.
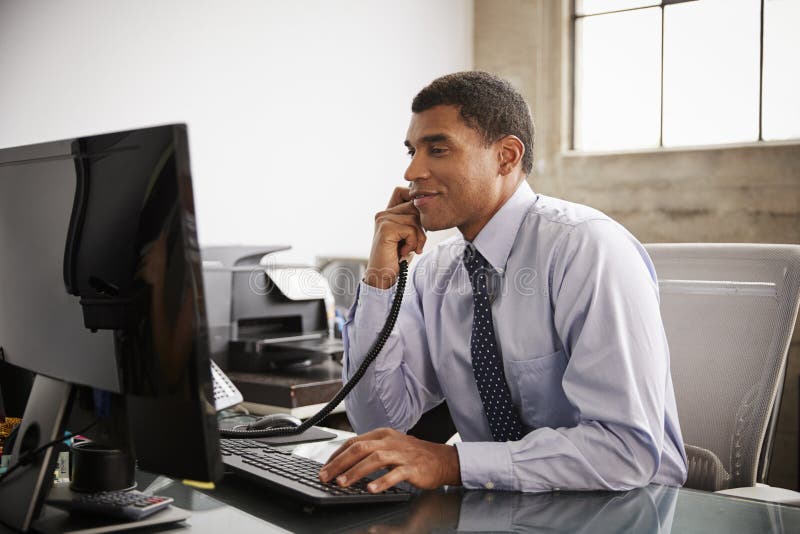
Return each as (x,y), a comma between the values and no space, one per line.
(328,408)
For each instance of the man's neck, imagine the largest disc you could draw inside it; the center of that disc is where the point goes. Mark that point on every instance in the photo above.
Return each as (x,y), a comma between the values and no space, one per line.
(471,233)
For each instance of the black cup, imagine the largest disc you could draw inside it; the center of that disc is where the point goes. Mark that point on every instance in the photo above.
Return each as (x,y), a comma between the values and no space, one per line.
(96,468)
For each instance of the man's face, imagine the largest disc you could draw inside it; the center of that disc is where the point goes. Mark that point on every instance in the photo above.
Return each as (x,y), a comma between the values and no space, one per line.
(454,176)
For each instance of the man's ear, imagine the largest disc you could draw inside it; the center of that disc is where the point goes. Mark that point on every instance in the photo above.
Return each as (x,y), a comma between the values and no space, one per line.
(509,154)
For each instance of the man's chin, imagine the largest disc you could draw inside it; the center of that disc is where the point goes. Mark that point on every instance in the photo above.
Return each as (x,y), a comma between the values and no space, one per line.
(433,226)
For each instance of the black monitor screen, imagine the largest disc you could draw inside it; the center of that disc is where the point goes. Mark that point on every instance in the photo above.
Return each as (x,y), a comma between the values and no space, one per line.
(101,284)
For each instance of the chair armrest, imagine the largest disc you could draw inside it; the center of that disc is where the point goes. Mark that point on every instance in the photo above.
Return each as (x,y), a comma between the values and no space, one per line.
(765,493)
(705,470)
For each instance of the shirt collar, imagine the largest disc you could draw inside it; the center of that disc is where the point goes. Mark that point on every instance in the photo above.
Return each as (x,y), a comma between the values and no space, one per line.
(495,239)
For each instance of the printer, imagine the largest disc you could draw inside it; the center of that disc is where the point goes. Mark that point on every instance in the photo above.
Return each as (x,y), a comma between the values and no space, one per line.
(267,316)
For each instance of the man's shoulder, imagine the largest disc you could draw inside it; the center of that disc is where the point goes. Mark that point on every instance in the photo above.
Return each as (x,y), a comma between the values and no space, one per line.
(564,213)
(556,225)
(583,235)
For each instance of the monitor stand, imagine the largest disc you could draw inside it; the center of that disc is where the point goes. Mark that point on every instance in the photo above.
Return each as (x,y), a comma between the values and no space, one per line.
(22,495)
(23,492)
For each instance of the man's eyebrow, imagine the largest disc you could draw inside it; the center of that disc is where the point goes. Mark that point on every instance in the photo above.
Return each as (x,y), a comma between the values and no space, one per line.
(429,139)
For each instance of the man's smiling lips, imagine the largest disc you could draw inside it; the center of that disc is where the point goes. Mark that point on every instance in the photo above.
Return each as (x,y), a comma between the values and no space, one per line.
(423,198)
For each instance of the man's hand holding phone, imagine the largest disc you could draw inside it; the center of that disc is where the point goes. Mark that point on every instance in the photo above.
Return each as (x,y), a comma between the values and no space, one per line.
(398,234)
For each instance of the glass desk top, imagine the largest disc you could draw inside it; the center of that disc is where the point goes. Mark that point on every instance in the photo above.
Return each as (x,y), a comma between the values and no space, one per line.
(238,505)
(243,506)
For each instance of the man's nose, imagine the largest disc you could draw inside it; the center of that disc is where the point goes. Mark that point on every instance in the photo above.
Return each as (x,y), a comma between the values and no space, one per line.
(416,170)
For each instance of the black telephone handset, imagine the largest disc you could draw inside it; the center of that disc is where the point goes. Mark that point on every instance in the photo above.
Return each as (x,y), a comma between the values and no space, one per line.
(236,432)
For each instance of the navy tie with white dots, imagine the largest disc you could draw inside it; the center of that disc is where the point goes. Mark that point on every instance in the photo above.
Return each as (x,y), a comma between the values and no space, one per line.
(486,362)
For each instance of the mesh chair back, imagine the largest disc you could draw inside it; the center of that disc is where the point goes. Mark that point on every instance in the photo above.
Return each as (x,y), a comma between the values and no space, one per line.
(729,311)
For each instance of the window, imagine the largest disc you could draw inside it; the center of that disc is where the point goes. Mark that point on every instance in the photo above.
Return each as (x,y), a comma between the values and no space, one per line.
(676,73)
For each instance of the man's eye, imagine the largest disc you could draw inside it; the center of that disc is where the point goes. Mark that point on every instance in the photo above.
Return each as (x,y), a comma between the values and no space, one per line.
(410,153)
(438,150)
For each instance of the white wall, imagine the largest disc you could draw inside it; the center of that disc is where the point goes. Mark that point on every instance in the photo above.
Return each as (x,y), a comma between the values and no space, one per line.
(297,110)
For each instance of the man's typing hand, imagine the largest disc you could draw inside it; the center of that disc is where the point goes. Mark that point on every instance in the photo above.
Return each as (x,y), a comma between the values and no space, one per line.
(424,464)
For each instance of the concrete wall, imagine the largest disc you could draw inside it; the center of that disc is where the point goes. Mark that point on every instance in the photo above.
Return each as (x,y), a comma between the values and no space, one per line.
(746,193)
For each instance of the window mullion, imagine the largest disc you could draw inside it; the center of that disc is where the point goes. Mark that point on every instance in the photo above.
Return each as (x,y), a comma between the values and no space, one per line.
(661,114)
(574,65)
(761,78)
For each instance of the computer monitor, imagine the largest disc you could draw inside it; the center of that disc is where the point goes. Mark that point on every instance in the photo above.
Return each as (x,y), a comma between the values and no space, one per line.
(101,287)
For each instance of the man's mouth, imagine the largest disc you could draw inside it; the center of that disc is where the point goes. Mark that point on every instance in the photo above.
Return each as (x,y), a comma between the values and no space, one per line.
(423,198)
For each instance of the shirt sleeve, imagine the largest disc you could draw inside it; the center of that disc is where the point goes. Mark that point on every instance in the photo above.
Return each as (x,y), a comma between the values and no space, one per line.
(401,384)
(606,313)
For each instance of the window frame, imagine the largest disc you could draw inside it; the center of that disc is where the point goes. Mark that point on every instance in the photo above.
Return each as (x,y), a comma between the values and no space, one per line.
(569,139)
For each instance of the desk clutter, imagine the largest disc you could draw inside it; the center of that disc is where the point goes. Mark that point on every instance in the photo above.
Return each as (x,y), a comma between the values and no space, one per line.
(93,488)
(7,425)
(276,329)
(265,316)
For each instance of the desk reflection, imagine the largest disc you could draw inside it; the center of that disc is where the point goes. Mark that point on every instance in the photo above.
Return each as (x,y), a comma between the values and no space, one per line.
(242,506)
(648,509)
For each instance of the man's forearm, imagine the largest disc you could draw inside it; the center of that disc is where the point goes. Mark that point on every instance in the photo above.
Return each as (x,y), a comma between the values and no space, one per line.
(589,456)
(400,384)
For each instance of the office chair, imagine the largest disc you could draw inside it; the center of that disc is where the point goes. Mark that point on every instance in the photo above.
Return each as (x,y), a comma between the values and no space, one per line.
(729,311)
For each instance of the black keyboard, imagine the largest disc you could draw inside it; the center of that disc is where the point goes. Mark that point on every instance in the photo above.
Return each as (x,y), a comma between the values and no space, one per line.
(296,476)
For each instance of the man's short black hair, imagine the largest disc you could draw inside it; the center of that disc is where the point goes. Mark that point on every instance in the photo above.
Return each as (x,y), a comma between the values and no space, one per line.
(487,103)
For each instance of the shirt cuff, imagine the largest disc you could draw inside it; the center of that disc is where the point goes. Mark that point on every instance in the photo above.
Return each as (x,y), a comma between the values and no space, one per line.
(373,306)
(485,465)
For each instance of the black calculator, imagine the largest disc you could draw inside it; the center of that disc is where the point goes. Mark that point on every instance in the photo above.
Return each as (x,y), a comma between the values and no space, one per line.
(132,504)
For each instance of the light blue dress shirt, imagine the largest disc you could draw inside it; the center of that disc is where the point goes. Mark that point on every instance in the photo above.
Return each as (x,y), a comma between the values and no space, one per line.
(577,320)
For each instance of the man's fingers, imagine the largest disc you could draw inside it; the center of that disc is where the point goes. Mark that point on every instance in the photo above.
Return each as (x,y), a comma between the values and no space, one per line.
(402,240)
(400,218)
(372,434)
(376,460)
(347,458)
(325,473)
(400,195)
(341,449)
(404,219)
(404,228)
(392,478)
(405,207)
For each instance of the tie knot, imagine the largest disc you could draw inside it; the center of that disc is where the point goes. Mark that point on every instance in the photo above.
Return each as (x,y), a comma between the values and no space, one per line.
(476,264)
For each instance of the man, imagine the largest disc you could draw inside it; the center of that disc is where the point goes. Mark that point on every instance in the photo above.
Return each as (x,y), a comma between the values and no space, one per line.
(540,324)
